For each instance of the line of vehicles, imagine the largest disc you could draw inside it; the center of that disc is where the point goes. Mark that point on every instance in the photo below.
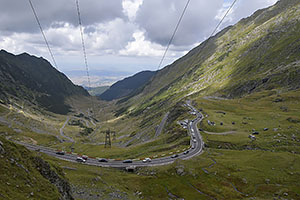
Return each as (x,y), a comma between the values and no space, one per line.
(84,158)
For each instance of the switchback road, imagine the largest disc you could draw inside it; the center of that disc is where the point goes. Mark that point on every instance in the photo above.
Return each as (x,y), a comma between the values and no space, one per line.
(195,149)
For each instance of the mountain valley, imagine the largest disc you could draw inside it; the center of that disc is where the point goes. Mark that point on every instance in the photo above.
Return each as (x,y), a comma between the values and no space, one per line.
(239,88)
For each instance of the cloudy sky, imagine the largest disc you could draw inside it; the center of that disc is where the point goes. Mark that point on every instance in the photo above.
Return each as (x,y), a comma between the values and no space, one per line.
(122,36)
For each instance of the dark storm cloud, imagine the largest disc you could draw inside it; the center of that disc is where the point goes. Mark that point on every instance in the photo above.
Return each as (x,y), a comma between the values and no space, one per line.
(16,15)
(158,18)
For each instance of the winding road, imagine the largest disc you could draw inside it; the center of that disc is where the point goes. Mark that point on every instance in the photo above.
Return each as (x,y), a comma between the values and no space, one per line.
(61,131)
(195,149)
(161,125)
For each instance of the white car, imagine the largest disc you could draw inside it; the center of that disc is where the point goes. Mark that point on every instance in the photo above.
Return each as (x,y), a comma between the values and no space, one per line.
(80,159)
(147,160)
(194,140)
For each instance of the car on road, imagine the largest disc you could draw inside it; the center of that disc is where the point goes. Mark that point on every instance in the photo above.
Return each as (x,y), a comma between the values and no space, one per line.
(193,146)
(147,160)
(127,161)
(102,160)
(60,153)
(80,159)
(174,156)
(194,140)
(186,152)
(84,157)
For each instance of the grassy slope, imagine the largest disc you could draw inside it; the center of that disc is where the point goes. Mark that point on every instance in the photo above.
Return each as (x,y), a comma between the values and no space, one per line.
(30,125)
(258,53)
(258,173)
(257,111)
(269,172)
(226,170)
(19,176)
(236,175)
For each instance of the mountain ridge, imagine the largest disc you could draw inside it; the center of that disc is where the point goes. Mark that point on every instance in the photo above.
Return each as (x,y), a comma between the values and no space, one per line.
(34,80)
(250,56)
(127,86)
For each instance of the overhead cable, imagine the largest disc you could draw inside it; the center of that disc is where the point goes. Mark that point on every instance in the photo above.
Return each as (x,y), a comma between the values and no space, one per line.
(173,35)
(44,36)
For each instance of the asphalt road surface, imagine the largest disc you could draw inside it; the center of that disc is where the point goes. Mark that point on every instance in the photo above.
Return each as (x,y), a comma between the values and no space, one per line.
(195,149)
(61,131)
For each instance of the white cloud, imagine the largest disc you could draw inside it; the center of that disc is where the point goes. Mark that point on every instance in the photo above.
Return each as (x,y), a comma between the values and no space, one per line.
(110,37)
(129,35)
(17,16)
(142,47)
(130,8)
(159,18)
(105,38)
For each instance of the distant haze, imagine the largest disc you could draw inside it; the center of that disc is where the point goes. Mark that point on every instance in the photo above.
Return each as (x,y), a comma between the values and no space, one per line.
(97,78)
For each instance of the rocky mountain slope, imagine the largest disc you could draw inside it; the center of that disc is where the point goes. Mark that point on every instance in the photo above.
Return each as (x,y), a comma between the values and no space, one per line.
(25,175)
(127,86)
(34,80)
(259,53)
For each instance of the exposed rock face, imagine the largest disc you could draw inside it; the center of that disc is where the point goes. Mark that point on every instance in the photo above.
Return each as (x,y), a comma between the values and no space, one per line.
(24,173)
(180,170)
(62,185)
(2,151)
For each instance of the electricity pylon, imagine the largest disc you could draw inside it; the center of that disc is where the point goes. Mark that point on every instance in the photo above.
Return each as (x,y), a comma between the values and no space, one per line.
(107,138)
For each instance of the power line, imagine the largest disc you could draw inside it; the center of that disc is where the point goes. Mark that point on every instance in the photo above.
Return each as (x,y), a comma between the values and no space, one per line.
(180,19)
(173,35)
(216,28)
(83,44)
(83,48)
(219,24)
(44,36)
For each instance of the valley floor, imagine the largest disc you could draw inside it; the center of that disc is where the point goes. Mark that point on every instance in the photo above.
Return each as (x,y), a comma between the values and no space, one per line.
(233,166)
